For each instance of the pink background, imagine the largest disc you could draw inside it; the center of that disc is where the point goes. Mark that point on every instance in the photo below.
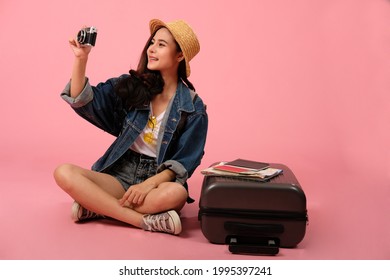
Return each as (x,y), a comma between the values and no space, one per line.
(304,83)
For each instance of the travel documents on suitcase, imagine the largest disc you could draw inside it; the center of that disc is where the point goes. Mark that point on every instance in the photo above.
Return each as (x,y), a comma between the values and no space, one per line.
(253,216)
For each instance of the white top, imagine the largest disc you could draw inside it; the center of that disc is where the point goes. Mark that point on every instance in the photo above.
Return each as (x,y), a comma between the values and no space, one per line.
(146,143)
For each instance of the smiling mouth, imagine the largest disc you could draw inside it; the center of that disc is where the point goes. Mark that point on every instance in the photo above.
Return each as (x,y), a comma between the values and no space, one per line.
(151,58)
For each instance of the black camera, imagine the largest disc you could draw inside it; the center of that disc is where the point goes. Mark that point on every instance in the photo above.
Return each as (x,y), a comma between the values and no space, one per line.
(87,36)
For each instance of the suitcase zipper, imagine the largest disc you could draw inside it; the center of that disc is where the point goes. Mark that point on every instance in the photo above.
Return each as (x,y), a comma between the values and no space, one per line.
(254,214)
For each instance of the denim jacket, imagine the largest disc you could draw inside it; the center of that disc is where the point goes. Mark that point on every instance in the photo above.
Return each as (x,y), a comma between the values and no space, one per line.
(180,153)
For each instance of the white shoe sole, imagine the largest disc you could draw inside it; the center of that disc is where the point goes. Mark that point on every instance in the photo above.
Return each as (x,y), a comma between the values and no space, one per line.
(75,211)
(176,221)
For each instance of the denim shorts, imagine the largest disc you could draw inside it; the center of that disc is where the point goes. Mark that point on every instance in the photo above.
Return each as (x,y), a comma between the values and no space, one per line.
(133,168)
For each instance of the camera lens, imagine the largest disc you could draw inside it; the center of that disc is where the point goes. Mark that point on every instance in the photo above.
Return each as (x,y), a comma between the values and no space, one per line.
(81,36)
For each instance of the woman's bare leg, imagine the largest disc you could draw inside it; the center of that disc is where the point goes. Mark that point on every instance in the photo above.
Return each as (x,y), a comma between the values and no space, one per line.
(97,192)
(166,196)
(100,192)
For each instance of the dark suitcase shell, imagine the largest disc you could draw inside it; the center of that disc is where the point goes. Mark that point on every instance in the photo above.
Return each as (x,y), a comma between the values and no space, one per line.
(234,211)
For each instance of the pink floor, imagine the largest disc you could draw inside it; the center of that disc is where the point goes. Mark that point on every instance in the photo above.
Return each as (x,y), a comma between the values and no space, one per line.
(35,224)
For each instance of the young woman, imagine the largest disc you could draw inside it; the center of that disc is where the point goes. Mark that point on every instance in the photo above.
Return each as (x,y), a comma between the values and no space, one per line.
(160,124)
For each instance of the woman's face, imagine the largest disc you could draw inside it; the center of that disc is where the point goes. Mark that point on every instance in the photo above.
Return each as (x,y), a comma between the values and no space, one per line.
(162,53)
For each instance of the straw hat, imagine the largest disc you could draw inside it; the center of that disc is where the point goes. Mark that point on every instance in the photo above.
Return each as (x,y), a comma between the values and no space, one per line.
(184,36)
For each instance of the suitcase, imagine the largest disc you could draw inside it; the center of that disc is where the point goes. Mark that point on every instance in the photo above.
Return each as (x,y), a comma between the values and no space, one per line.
(251,216)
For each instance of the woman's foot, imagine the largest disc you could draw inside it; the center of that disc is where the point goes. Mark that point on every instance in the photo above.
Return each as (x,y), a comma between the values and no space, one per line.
(81,214)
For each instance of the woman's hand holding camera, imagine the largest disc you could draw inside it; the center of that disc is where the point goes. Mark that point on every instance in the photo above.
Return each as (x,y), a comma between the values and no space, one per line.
(80,51)
(84,41)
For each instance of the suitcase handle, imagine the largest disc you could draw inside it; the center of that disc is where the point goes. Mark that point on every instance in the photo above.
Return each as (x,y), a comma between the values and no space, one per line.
(253,245)
(244,228)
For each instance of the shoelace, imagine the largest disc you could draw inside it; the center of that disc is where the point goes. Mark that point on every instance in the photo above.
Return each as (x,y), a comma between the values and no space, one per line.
(86,214)
(160,222)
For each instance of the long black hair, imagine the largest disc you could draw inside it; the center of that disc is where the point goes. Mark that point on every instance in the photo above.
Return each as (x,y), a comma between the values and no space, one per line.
(138,89)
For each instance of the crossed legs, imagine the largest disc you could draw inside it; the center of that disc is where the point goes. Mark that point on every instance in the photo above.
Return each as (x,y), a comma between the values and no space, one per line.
(100,193)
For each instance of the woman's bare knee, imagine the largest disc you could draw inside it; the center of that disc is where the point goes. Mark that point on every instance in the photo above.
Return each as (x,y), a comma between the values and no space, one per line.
(63,175)
(176,197)
(71,178)
(166,197)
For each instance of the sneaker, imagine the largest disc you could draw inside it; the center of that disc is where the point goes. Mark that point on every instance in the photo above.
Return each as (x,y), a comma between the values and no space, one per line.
(79,213)
(168,222)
